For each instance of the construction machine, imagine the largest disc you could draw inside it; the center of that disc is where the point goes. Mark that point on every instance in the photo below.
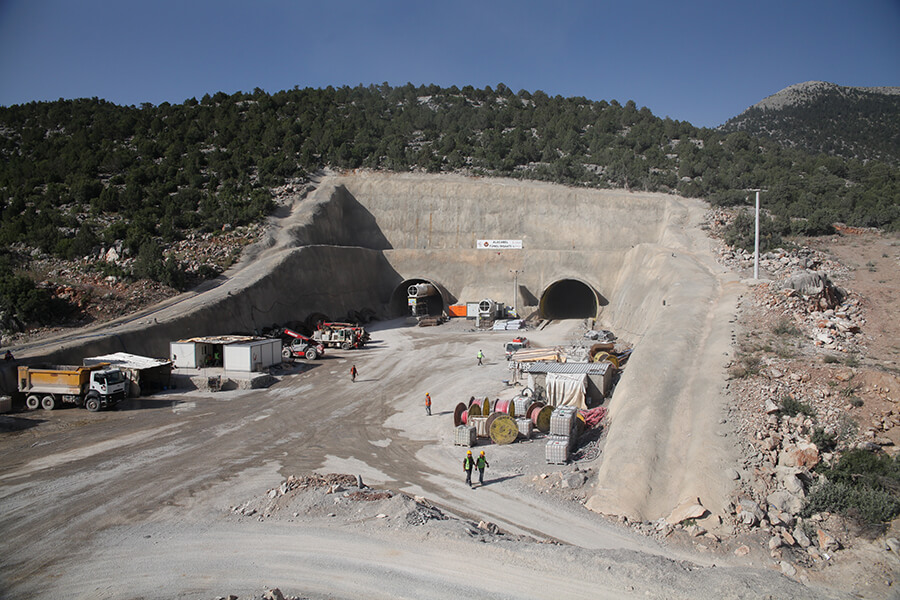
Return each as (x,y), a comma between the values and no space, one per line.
(95,387)
(341,335)
(301,347)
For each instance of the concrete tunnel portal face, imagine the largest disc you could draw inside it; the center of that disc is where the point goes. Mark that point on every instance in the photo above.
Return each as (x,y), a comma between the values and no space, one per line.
(569,299)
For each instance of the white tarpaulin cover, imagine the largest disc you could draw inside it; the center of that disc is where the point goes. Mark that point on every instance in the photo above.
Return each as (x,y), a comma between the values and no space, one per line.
(565,389)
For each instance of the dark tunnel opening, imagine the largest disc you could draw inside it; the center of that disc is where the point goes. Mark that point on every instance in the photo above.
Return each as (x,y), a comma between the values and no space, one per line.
(431,303)
(568,299)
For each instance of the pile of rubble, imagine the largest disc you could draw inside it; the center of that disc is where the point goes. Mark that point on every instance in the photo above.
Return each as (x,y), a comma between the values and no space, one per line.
(795,379)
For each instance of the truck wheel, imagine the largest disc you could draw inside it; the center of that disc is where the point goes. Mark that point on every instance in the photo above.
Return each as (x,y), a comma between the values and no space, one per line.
(48,402)
(311,354)
(345,346)
(32,402)
(92,404)
(286,353)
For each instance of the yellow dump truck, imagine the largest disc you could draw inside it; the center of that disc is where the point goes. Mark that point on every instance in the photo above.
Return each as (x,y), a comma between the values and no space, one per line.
(95,387)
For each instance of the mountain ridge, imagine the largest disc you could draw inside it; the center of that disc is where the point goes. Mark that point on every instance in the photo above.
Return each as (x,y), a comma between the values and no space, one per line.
(860,123)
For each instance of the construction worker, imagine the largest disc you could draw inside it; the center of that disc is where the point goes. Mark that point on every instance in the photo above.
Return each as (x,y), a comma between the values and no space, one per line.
(480,356)
(353,373)
(468,463)
(481,463)
(428,404)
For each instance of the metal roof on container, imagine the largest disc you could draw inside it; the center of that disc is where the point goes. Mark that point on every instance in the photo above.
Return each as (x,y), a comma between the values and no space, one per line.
(221,339)
(574,368)
(128,361)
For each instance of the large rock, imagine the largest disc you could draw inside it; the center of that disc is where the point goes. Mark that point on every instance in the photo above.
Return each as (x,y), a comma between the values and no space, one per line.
(750,512)
(790,478)
(801,537)
(800,454)
(808,283)
(785,501)
(687,509)
(827,543)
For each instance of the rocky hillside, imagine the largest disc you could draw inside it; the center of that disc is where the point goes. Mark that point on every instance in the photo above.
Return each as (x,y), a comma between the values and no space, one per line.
(820,117)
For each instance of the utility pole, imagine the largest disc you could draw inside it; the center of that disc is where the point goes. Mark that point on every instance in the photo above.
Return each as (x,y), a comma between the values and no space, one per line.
(516,289)
(756,239)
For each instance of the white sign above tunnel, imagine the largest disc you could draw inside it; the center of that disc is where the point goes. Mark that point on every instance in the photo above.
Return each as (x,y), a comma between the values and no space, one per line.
(499,244)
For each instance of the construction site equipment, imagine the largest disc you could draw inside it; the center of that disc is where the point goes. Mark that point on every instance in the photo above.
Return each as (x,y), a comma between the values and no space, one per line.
(457,310)
(593,416)
(522,405)
(604,356)
(301,347)
(489,420)
(508,325)
(479,407)
(458,414)
(541,418)
(556,452)
(341,335)
(94,387)
(488,309)
(514,346)
(525,426)
(562,421)
(480,424)
(539,354)
(430,321)
(503,429)
(505,406)
(474,408)
(536,406)
(465,435)
(418,295)
(421,290)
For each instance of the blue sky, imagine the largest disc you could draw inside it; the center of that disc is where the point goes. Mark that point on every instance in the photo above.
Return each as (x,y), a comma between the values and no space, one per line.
(697,61)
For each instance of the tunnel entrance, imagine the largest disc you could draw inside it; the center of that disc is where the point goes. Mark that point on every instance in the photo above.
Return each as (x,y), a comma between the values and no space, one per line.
(569,299)
(417,298)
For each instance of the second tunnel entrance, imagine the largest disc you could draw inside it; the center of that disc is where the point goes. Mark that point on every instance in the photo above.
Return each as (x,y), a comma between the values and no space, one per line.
(569,299)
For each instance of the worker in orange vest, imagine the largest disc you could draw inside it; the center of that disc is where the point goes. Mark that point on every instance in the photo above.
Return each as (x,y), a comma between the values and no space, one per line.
(353,373)
(428,404)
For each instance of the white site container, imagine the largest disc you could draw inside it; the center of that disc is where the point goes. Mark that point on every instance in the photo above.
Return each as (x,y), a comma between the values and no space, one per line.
(186,354)
(252,356)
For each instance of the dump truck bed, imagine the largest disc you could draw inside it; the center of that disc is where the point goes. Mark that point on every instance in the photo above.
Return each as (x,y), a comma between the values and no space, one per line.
(59,379)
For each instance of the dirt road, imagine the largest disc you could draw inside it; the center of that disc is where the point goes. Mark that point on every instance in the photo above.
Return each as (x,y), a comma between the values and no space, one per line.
(138,502)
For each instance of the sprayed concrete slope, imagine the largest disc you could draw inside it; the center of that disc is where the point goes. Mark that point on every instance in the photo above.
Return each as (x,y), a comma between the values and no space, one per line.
(358,240)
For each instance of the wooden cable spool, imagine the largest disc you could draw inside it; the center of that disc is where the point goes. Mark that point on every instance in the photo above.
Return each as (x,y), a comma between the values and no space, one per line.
(541,418)
(490,421)
(457,414)
(475,409)
(505,406)
(503,429)
(580,424)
